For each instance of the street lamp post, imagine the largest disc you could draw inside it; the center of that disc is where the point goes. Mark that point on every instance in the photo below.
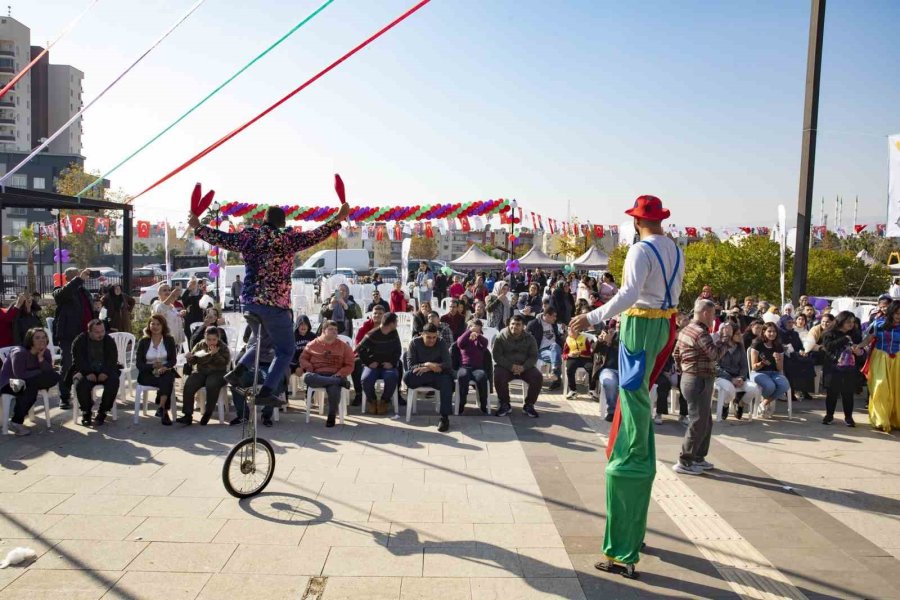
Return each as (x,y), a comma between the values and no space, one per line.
(215,206)
(512,227)
(38,228)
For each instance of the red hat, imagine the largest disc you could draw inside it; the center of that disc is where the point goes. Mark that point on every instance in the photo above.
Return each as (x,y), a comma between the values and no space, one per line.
(650,208)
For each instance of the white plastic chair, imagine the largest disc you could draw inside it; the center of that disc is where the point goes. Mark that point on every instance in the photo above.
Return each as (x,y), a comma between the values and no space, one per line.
(412,396)
(488,402)
(126,359)
(141,401)
(719,398)
(195,326)
(445,304)
(314,394)
(489,334)
(346,340)
(76,408)
(6,400)
(365,398)
(200,398)
(55,351)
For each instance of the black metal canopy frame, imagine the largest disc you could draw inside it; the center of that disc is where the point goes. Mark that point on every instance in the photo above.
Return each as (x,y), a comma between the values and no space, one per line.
(20,198)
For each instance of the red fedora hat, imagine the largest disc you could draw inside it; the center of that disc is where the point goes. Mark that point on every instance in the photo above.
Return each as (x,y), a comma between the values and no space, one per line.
(650,208)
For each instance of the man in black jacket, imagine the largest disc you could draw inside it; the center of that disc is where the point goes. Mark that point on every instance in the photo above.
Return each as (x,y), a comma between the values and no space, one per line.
(74,310)
(429,365)
(549,342)
(95,362)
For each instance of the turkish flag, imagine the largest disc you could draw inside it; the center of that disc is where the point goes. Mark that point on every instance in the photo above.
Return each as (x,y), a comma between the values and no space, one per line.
(379,233)
(859,228)
(143,228)
(78,222)
(464,221)
(398,232)
(598,231)
(691,231)
(429,232)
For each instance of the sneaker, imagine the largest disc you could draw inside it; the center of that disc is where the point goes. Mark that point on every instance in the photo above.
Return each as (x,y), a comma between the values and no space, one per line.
(86,419)
(555,385)
(684,420)
(658,420)
(687,470)
(237,421)
(166,419)
(18,429)
(101,418)
(444,425)
(235,377)
(572,394)
(346,384)
(503,411)
(529,411)
(705,465)
(849,422)
(739,412)
(595,395)
(329,422)
(827,420)
(185,420)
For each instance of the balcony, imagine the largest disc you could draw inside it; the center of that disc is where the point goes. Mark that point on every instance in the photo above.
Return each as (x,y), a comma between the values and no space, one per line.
(9,70)
(7,104)
(7,121)
(7,52)
(7,138)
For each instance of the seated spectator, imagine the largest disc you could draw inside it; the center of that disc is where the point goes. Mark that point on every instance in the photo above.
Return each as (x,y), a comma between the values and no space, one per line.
(473,348)
(399,302)
(607,287)
(766,362)
(420,319)
(455,319)
(303,334)
(327,363)
(95,361)
(817,333)
(549,343)
(732,375)
(594,301)
(156,357)
(380,352)
(377,300)
(578,354)
(27,318)
(753,332)
(530,305)
(341,308)
(809,311)
(606,369)
(799,367)
(33,364)
(456,288)
(428,365)
(498,306)
(266,356)
(442,328)
(211,318)
(211,359)
(479,311)
(515,356)
(373,323)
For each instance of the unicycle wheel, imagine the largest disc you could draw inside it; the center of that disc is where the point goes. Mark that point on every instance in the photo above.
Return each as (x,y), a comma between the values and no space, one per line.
(246,473)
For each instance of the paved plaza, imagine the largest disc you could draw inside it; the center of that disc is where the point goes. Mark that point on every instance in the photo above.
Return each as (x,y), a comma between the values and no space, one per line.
(499,508)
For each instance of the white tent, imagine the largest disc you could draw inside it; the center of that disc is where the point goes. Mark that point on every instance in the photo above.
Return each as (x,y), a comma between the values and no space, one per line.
(594,258)
(535,258)
(475,258)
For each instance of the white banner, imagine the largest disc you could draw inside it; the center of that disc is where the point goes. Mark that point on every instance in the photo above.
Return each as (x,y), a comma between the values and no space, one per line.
(893,217)
(782,242)
(404,259)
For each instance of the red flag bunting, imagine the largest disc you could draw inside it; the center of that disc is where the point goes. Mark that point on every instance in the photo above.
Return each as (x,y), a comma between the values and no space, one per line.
(143,229)
(691,231)
(859,228)
(78,222)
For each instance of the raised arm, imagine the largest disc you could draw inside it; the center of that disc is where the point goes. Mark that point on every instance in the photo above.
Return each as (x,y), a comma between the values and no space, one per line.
(235,242)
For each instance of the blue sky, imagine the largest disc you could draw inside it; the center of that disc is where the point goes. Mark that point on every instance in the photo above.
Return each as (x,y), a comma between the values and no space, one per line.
(587,102)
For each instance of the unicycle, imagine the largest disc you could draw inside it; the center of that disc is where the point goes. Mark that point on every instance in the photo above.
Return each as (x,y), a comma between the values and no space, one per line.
(249,467)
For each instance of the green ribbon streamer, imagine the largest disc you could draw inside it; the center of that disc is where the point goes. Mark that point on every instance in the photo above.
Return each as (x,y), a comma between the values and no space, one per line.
(210,95)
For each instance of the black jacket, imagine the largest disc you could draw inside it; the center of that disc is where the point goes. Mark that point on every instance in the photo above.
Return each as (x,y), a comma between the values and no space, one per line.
(380,348)
(81,358)
(536,330)
(70,301)
(191,304)
(23,322)
(141,356)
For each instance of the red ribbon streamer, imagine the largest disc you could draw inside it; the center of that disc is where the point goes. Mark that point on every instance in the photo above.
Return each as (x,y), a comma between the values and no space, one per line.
(309,82)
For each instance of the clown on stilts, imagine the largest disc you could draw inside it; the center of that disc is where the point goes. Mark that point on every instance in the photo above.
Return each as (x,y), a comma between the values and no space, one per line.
(648,297)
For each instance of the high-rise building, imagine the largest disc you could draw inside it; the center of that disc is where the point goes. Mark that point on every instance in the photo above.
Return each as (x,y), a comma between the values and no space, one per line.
(64,101)
(15,106)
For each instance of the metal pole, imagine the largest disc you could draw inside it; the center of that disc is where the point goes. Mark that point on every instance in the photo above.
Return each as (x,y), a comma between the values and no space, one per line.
(40,227)
(127,249)
(808,152)
(59,244)
(855,213)
(2,278)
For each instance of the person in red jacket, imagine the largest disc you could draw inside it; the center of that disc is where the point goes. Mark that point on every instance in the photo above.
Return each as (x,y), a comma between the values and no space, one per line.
(398,298)
(7,318)
(373,323)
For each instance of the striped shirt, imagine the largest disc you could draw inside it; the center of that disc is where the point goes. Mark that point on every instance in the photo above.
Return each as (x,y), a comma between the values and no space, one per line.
(696,352)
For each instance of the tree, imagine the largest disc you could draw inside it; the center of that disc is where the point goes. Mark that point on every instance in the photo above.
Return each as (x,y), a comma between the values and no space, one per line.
(28,241)
(840,273)
(141,249)
(617,261)
(86,247)
(423,247)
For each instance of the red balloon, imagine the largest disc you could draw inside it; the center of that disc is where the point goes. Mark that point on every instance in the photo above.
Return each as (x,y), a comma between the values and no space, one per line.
(512,237)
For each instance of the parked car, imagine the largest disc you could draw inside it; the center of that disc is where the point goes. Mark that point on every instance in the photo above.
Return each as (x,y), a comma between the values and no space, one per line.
(143,277)
(183,277)
(387,274)
(150,293)
(350,274)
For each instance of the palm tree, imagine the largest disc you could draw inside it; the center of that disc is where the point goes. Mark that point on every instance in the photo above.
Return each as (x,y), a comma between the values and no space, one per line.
(28,241)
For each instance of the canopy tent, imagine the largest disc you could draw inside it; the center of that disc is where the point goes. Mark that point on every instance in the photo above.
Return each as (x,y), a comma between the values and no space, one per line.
(475,257)
(594,258)
(535,258)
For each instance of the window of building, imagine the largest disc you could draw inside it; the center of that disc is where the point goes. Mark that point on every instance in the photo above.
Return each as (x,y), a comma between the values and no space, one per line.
(17,225)
(39,183)
(13,212)
(19,181)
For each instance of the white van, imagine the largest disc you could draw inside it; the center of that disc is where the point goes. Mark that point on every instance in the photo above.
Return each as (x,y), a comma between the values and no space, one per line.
(325,261)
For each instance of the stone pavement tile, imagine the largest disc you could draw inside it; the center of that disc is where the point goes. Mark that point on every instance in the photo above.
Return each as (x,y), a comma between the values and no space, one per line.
(178,529)
(810,559)
(281,560)
(391,475)
(530,512)
(765,535)
(16,481)
(335,533)
(374,562)
(844,584)
(183,557)
(425,492)
(365,462)
(10,574)
(515,492)
(545,562)
(431,534)
(335,510)
(203,487)
(466,476)
(26,526)
(258,531)
(79,527)
(154,586)
(68,466)
(124,471)
(480,561)
(577,523)
(355,492)
(435,588)
(145,486)
(478,512)
(450,463)
(172,507)
(267,505)
(90,555)
(355,588)
(598,585)
(408,512)
(55,484)
(30,503)
(46,585)
(519,535)
(253,587)
(526,589)
(583,544)
(97,505)
(306,476)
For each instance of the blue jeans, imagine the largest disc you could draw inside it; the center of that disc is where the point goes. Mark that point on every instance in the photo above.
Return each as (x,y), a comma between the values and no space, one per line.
(772,384)
(609,379)
(390,377)
(332,385)
(278,332)
(553,355)
(240,402)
